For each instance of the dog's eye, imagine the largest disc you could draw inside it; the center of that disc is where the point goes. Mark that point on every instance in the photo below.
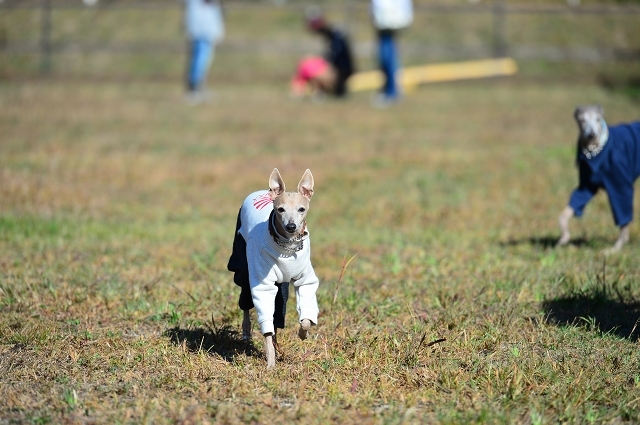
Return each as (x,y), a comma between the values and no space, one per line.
(301,210)
(280,210)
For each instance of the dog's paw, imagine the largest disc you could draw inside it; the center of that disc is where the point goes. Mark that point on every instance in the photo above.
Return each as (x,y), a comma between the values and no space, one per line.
(610,251)
(270,351)
(271,364)
(563,241)
(305,325)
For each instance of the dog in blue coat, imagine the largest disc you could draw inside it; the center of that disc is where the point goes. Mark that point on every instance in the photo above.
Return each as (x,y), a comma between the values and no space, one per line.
(608,158)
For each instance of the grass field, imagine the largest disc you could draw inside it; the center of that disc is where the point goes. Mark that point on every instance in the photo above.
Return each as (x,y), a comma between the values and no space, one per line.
(117,211)
(121,39)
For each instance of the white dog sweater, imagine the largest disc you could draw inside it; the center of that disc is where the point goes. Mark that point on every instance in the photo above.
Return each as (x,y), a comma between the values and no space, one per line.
(270,263)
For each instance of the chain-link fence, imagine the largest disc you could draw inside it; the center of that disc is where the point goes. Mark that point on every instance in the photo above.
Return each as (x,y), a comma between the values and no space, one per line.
(144,38)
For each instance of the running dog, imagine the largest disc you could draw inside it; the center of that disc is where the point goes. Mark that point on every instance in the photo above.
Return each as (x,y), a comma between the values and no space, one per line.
(271,249)
(608,158)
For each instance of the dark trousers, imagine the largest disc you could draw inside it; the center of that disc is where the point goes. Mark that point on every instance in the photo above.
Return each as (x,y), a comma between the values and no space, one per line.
(240,267)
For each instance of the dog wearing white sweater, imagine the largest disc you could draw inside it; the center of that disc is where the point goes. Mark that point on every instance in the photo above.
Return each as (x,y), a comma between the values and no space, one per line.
(271,249)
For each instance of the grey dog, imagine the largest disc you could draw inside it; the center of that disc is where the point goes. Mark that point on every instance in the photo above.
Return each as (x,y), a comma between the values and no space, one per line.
(608,158)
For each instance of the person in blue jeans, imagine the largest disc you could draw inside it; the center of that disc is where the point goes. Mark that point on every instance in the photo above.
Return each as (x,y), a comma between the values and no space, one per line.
(388,62)
(389,16)
(205,28)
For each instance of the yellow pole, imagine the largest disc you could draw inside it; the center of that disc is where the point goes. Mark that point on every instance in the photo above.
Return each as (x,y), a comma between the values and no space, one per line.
(435,73)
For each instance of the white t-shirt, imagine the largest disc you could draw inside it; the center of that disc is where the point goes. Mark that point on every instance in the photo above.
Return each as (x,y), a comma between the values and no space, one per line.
(270,264)
(203,20)
(391,14)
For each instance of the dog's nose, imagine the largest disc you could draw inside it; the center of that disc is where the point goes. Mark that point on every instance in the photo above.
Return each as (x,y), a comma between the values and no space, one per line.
(291,227)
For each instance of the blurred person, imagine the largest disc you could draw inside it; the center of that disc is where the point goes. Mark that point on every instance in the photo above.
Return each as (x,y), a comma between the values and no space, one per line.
(329,73)
(204,26)
(389,16)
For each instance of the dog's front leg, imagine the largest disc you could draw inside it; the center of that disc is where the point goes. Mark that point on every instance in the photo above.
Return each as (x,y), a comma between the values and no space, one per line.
(270,350)
(563,220)
(305,325)
(623,238)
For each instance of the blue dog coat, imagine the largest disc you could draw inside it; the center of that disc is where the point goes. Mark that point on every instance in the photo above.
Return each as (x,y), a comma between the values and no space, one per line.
(614,169)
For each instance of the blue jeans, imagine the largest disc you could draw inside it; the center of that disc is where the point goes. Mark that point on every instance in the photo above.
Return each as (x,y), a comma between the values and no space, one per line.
(388,57)
(199,62)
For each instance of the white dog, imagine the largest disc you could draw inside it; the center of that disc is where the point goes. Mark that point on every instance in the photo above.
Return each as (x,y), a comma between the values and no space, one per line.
(272,249)
(609,159)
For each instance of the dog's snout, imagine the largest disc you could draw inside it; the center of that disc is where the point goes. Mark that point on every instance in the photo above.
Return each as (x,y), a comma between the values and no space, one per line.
(291,227)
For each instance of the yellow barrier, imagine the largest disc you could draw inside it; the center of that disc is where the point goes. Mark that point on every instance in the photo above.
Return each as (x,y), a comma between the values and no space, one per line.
(413,76)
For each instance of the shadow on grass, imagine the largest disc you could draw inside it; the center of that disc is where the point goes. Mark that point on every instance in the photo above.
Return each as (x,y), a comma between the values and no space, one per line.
(545,242)
(224,341)
(603,307)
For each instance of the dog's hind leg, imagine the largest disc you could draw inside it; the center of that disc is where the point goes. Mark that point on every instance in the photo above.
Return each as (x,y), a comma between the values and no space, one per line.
(270,351)
(563,220)
(246,325)
(623,238)
(275,343)
(305,325)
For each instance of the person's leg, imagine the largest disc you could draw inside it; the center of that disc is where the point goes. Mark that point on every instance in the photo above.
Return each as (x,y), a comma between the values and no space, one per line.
(201,56)
(326,79)
(192,74)
(314,73)
(388,57)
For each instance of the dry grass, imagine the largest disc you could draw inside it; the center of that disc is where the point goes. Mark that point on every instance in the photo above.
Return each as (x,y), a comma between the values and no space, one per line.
(117,206)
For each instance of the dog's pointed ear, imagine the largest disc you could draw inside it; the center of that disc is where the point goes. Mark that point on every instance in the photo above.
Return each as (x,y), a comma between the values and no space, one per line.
(577,112)
(276,184)
(305,187)
(600,110)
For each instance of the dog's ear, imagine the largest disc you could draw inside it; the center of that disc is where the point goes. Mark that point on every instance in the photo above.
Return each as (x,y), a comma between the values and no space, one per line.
(276,184)
(600,110)
(305,187)
(577,112)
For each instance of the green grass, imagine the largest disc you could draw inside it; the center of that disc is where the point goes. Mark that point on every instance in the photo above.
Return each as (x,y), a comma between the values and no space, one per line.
(117,210)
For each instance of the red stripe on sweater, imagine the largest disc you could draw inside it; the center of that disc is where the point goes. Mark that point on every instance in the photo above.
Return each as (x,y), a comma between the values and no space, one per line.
(262,201)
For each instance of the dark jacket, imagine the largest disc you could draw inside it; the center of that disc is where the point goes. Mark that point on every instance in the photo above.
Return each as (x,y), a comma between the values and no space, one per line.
(614,169)
(339,55)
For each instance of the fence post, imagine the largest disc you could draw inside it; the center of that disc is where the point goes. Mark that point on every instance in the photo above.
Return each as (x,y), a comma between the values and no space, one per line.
(498,14)
(45,38)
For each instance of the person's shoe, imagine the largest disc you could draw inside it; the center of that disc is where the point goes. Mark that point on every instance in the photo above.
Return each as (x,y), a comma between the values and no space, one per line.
(195,97)
(382,101)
